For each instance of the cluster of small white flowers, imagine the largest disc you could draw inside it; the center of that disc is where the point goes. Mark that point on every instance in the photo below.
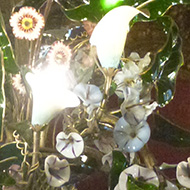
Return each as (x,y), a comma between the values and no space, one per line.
(132,131)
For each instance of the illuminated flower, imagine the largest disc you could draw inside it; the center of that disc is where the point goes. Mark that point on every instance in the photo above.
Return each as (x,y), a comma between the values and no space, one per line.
(138,172)
(57,171)
(51,90)
(110,34)
(27,23)
(59,54)
(131,138)
(18,84)
(71,145)
(183,173)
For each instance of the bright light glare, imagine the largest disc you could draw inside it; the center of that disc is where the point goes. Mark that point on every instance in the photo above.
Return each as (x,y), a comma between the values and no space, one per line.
(110,3)
(50,93)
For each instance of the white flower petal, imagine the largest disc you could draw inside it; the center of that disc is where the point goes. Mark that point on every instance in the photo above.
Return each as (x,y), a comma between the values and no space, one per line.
(70,146)
(107,158)
(110,34)
(170,186)
(57,171)
(137,172)
(182,173)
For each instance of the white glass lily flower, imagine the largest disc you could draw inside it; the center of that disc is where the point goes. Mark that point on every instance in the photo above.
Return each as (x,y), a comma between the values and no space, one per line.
(131,138)
(70,146)
(57,171)
(51,93)
(137,171)
(183,173)
(110,34)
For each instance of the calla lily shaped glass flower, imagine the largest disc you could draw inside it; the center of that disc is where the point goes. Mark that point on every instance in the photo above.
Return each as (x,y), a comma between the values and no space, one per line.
(131,138)
(137,171)
(183,173)
(51,94)
(110,34)
(57,171)
(70,146)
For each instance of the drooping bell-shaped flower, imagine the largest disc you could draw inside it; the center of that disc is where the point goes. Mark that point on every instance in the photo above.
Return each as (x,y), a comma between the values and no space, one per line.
(131,138)
(57,171)
(110,34)
(90,95)
(51,93)
(138,172)
(71,145)
(183,173)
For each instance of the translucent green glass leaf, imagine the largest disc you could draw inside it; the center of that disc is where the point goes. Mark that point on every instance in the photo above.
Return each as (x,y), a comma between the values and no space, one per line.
(9,154)
(5,45)
(96,9)
(167,132)
(167,63)
(92,12)
(118,165)
(139,185)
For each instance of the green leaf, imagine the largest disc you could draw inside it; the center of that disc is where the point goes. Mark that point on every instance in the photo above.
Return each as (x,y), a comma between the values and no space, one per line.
(92,12)
(118,165)
(9,154)
(167,63)
(23,129)
(170,133)
(112,88)
(159,7)
(139,185)
(5,45)
(6,180)
(96,9)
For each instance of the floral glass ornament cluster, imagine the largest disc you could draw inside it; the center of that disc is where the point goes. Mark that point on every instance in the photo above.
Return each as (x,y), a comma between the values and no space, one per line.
(66,89)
